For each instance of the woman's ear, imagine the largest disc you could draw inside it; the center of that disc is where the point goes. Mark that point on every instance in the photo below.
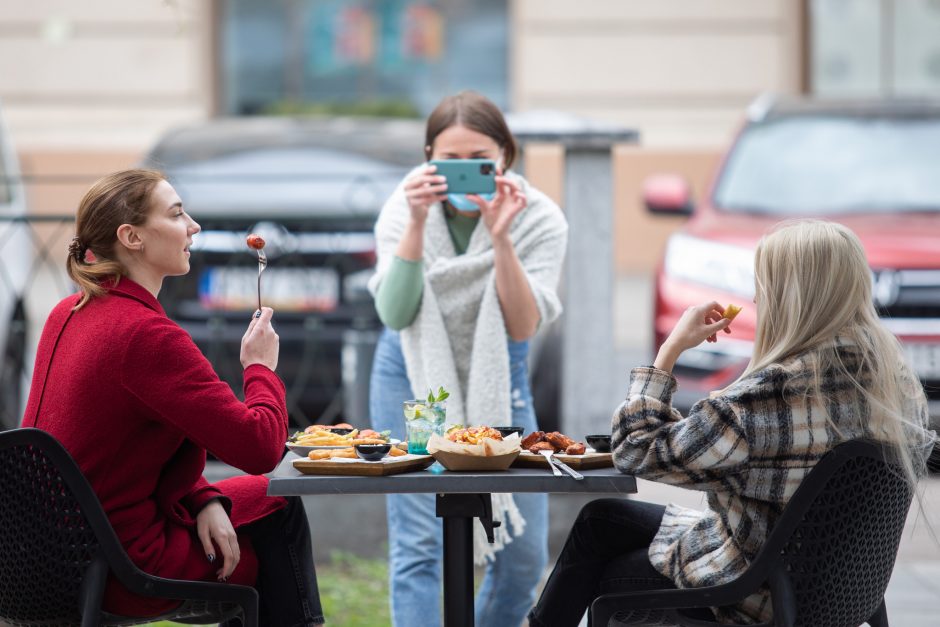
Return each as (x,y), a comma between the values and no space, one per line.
(129,238)
(427,153)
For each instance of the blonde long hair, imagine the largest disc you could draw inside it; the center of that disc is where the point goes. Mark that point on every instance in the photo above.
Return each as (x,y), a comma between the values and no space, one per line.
(118,198)
(814,285)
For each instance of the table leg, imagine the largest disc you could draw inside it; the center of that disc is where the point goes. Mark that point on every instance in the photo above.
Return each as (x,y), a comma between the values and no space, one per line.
(458,571)
(458,512)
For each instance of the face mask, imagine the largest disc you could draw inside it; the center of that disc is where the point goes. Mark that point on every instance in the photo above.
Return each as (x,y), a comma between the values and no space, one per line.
(460,202)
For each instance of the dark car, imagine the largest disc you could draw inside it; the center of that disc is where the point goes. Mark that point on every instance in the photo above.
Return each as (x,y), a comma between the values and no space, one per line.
(312,188)
(871,165)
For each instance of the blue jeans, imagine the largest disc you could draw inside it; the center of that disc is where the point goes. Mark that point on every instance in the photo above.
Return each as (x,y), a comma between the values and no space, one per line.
(414,532)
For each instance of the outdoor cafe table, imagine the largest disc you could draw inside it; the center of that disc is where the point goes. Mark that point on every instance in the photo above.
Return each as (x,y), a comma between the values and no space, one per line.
(461,497)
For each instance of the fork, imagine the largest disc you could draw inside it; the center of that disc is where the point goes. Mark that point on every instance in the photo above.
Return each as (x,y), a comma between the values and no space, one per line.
(262,264)
(548,457)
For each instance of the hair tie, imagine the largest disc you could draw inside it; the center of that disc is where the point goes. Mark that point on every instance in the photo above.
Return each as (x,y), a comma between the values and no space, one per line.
(77,250)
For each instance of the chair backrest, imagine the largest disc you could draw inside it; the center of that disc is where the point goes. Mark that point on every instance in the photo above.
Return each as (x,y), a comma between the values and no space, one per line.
(51,528)
(833,550)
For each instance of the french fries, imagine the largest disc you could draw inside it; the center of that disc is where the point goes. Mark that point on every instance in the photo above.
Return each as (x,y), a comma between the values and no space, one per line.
(328,438)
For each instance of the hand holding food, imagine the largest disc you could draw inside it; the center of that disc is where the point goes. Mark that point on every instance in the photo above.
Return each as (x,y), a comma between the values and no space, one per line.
(260,344)
(697,324)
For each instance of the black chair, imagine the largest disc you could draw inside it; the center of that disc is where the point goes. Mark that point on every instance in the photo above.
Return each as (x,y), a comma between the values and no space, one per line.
(827,561)
(57,549)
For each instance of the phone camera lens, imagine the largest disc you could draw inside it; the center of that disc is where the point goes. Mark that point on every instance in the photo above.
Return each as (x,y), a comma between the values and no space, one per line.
(486,168)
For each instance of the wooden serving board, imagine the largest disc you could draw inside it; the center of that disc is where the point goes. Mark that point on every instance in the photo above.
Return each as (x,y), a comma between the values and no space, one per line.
(584,462)
(362,468)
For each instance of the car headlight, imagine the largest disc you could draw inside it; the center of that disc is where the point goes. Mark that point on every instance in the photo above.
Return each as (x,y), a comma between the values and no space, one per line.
(723,266)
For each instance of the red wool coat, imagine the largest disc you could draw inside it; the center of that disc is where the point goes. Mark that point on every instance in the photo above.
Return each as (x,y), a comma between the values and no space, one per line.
(137,405)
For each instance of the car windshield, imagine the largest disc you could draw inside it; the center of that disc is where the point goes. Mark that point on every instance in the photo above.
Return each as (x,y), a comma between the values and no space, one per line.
(833,165)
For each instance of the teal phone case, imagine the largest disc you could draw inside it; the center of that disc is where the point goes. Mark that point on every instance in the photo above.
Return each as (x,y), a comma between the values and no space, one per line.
(467,176)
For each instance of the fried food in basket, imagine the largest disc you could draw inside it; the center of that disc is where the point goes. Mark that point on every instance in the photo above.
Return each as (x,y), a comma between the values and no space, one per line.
(552,441)
(474,435)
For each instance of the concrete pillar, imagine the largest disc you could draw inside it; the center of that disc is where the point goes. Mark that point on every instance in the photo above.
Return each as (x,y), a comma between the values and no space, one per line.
(589,389)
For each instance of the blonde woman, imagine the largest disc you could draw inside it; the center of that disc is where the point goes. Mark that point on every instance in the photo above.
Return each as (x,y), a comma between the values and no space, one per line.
(824,370)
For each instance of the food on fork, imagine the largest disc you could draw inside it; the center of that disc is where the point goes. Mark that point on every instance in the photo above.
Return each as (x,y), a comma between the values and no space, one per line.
(255,241)
(731,311)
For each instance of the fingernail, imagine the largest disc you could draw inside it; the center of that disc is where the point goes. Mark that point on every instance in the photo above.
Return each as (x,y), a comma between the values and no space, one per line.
(211,557)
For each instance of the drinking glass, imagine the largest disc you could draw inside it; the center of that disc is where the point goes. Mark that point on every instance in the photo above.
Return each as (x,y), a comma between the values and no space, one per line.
(422,420)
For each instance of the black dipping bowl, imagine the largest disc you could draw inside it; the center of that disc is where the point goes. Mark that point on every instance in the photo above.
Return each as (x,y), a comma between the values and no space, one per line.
(600,443)
(372,452)
(340,430)
(508,431)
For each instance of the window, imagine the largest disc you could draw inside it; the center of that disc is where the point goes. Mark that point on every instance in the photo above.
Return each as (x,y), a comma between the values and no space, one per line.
(875,47)
(389,57)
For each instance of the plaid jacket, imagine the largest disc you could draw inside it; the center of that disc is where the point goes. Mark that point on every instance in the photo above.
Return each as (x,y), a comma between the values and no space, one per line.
(747,448)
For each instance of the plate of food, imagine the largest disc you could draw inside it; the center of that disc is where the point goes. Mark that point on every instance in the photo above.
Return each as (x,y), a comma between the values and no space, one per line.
(320,437)
(564,448)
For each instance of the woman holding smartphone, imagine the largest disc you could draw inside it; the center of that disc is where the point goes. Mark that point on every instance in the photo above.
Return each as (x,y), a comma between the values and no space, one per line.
(463,281)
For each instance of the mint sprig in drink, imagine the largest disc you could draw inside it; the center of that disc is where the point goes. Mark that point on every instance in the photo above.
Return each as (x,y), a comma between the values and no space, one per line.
(424,418)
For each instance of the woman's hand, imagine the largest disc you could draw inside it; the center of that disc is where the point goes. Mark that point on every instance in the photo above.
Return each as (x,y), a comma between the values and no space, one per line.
(697,324)
(423,189)
(215,530)
(260,344)
(499,213)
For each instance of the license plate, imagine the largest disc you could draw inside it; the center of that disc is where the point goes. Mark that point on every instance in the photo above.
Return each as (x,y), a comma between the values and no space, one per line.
(925,359)
(283,289)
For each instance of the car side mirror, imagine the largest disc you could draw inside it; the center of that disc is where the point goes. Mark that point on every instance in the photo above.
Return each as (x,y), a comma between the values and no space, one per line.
(667,194)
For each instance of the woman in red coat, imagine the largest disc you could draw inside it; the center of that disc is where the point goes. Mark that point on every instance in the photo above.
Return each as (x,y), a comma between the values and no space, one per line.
(135,402)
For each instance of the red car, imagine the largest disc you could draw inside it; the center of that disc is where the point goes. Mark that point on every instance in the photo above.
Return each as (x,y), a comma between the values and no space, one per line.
(873,166)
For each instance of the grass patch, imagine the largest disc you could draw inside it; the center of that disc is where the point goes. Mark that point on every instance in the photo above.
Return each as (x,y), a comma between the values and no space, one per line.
(353,590)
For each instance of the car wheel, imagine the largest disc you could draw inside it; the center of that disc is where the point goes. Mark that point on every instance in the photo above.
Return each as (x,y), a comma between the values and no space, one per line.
(12,367)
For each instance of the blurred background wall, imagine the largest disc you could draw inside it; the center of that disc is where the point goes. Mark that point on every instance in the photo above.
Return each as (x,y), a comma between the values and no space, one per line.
(88,86)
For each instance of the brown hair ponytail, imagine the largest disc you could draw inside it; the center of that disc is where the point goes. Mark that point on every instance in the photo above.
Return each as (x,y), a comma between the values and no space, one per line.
(119,198)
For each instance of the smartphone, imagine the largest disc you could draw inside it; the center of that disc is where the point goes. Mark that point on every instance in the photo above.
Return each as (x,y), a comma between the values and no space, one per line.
(468,176)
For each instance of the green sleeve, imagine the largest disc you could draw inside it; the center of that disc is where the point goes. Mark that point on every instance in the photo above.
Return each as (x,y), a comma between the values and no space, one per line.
(399,294)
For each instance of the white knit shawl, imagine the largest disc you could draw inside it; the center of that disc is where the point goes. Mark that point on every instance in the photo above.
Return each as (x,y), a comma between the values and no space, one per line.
(458,339)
